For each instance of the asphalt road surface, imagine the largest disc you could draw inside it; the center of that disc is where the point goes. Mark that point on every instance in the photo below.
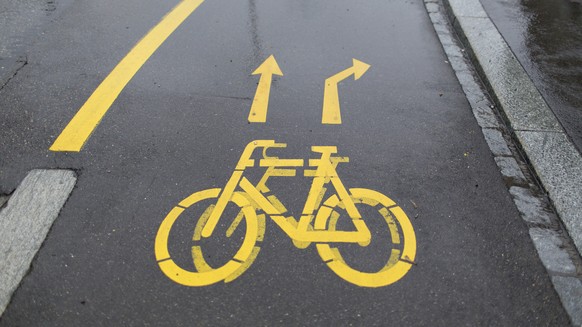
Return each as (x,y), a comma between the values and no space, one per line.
(180,126)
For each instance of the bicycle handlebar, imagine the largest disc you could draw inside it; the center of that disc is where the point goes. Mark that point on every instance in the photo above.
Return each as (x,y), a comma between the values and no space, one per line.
(246,161)
(245,158)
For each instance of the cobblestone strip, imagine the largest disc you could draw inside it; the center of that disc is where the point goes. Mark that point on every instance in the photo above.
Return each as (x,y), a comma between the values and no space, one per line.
(543,135)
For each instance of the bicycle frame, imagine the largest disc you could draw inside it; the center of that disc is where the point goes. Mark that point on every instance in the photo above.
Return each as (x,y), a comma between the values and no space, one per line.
(324,173)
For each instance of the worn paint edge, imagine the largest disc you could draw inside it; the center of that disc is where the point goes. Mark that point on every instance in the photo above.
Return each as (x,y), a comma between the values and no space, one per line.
(25,222)
(558,252)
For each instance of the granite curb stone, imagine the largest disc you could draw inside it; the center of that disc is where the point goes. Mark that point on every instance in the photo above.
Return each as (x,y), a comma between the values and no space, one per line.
(26,220)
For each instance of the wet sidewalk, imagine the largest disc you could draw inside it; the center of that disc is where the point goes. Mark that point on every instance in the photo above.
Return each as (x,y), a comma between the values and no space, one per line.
(546,37)
(541,140)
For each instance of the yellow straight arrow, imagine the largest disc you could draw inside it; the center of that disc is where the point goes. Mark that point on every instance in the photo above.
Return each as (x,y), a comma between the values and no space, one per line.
(260,104)
(331,106)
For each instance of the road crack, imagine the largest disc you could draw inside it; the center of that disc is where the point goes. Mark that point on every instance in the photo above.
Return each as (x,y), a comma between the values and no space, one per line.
(19,64)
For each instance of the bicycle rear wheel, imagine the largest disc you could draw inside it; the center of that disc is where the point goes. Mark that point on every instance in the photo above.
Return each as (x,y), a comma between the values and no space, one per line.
(399,261)
(204,274)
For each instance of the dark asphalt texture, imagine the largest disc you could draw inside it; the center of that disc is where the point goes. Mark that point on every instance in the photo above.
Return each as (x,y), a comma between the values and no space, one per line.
(180,127)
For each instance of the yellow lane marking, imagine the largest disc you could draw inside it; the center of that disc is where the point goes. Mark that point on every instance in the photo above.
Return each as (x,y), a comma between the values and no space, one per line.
(260,104)
(234,224)
(281,162)
(244,266)
(277,204)
(317,223)
(221,204)
(331,105)
(391,225)
(201,221)
(80,128)
(199,261)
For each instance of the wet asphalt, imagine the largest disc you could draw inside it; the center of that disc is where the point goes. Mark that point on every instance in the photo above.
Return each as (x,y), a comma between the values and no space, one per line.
(180,126)
(546,37)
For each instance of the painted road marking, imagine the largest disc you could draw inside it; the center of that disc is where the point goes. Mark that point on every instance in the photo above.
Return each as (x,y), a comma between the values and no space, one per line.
(317,223)
(80,128)
(260,104)
(331,105)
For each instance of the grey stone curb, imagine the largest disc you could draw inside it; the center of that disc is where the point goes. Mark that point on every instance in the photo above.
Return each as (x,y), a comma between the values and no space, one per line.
(25,222)
(570,290)
(550,152)
(553,156)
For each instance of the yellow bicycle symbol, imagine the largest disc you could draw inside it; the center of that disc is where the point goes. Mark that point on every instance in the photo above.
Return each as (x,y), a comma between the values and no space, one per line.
(254,198)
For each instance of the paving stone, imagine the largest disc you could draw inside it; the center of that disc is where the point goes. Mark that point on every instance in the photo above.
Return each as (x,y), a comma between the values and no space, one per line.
(509,167)
(467,8)
(549,246)
(570,291)
(496,142)
(559,167)
(530,206)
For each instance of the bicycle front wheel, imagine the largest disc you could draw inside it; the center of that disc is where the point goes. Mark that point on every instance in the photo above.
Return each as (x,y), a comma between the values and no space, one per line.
(400,231)
(203,274)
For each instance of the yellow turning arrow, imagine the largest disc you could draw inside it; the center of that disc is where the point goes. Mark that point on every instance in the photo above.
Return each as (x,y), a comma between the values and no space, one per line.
(260,104)
(331,105)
